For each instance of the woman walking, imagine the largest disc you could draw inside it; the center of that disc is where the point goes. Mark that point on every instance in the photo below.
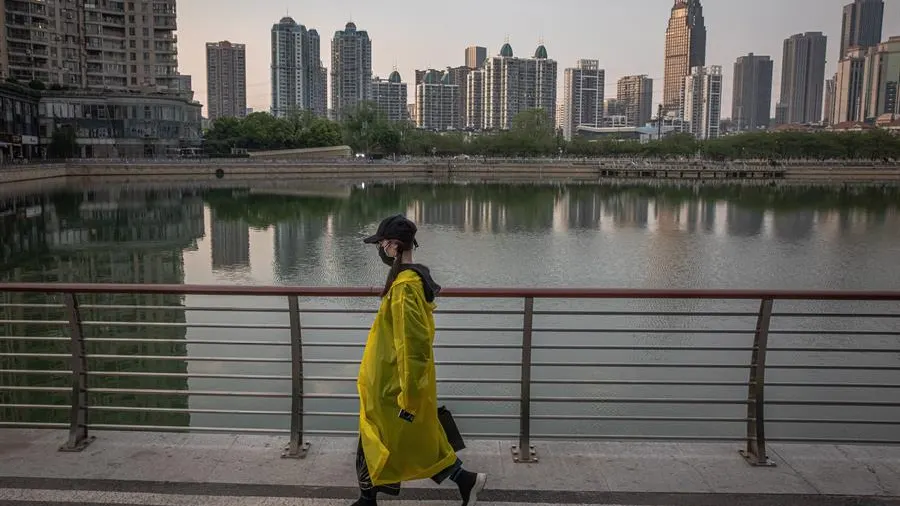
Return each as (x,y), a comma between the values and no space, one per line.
(401,438)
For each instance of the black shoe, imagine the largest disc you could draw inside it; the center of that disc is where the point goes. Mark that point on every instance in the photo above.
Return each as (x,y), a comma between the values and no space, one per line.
(362,501)
(470,485)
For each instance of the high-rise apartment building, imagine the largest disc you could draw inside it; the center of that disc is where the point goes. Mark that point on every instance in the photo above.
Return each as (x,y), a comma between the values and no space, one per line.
(828,115)
(703,101)
(436,102)
(883,79)
(513,85)
(351,69)
(685,49)
(226,80)
(635,98)
(299,80)
(583,96)
(862,25)
(475,100)
(751,105)
(475,56)
(803,77)
(390,97)
(849,103)
(459,76)
(104,44)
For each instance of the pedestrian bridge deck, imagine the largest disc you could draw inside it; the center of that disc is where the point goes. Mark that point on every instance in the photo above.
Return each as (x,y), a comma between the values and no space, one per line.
(156,469)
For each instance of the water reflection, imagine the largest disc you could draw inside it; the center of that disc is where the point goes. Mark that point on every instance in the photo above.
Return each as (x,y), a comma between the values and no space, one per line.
(103,236)
(484,235)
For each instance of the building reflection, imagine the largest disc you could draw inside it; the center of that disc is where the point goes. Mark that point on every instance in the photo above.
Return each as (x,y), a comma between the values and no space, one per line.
(794,226)
(743,222)
(104,236)
(230,243)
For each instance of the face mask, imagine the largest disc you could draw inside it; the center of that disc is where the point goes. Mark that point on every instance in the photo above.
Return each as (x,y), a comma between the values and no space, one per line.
(384,257)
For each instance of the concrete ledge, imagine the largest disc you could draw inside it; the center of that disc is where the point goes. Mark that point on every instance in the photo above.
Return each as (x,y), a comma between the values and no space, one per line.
(237,466)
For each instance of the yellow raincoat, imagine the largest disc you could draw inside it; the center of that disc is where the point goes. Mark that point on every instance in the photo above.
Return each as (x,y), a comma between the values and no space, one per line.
(397,372)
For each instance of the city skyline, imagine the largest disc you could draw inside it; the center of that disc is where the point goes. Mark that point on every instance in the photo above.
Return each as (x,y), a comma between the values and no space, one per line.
(732,33)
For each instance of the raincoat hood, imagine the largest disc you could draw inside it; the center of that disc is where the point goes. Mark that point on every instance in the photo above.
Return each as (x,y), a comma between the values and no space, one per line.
(429,285)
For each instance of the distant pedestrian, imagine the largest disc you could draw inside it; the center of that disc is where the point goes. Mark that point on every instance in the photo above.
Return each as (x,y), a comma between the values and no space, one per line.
(401,438)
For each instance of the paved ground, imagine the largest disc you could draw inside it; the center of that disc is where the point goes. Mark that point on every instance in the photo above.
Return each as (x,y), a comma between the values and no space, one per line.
(224,470)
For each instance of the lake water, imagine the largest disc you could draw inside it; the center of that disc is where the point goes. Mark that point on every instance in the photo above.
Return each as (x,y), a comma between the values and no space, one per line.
(473,236)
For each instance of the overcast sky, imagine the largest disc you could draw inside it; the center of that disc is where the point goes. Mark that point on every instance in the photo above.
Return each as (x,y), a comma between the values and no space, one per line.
(627,36)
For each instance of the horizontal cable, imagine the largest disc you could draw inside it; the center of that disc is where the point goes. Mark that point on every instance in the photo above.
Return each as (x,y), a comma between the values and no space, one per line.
(824,332)
(278,377)
(171,428)
(191,410)
(647,313)
(34,338)
(622,437)
(642,331)
(38,406)
(250,326)
(64,372)
(831,421)
(204,393)
(184,341)
(34,322)
(836,315)
(131,307)
(11,388)
(553,347)
(629,400)
(32,306)
(470,398)
(34,425)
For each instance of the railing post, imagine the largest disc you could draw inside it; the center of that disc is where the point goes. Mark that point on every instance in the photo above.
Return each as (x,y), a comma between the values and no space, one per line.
(524,452)
(297,448)
(755,453)
(78,418)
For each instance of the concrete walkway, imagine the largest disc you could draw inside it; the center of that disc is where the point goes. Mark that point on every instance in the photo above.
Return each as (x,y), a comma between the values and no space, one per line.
(227,470)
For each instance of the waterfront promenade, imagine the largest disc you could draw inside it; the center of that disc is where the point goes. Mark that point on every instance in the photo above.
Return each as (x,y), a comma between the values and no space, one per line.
(459,170)
(228,470)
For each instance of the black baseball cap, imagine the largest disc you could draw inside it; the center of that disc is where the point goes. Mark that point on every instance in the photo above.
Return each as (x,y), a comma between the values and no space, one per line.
(396,228)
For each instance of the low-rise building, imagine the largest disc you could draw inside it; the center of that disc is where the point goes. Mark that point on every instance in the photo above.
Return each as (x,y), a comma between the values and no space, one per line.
(18,123)
(122,124)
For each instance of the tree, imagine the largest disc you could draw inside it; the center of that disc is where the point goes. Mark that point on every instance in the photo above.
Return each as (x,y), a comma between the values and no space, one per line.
(63,143)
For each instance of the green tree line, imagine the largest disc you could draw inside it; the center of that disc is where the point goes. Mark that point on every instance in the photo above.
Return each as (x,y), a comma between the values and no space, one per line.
(367,130)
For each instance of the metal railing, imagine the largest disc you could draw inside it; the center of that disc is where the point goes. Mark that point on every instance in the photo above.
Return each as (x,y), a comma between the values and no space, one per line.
(37,317)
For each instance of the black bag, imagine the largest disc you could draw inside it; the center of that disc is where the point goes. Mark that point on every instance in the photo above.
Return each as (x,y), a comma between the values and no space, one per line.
(450,429)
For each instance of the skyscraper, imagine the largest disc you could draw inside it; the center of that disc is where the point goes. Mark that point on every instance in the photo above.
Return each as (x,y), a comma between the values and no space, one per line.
(475,56)
(460,77)
(685,49)
(883,79)
(751,106)
(299,81)
(475,100)
(583,96)
(226,80)
(635,99)
(390,97)
(437,101)
(828,115)
(513,85)
(803,77)
(703,101)
(862,25)
(849,103)
(128,45)
(351,69)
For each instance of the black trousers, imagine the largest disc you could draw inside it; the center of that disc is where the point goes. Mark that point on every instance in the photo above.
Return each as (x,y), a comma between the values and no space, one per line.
(393,489)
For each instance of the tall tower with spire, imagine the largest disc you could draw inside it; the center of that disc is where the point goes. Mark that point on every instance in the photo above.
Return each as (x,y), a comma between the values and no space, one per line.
(685,49)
